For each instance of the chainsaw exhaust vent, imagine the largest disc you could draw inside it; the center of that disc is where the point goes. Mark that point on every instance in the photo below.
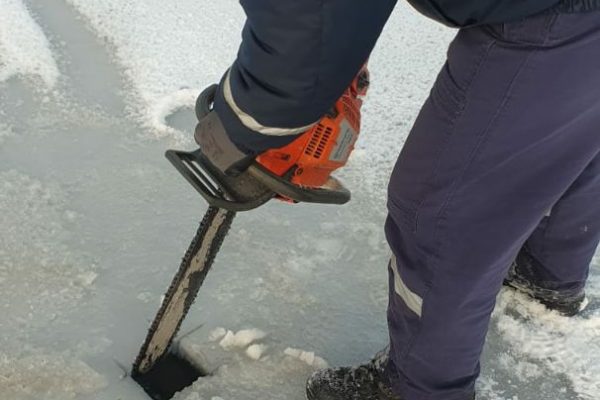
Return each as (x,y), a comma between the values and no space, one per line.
(171,374)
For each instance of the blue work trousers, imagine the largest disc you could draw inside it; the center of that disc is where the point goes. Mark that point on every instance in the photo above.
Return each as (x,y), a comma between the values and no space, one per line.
(505,153)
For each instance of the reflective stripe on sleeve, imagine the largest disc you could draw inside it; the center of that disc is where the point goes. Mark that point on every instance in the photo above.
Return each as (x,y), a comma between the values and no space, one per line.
(412,300)
(250,123)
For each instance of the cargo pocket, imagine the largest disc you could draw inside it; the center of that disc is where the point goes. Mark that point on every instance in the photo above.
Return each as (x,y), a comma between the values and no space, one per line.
(415,174)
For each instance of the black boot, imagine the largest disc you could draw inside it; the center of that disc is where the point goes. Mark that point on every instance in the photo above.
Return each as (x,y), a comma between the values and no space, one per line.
(568,303)
(365,382)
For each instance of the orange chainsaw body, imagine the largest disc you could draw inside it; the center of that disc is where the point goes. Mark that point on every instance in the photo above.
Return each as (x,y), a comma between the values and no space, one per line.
(314,155)
(298,173)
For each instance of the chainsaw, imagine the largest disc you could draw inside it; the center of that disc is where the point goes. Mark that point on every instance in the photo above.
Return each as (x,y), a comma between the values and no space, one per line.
(297,173)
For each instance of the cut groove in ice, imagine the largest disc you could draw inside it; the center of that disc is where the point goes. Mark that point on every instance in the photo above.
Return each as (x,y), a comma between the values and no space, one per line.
(170,375)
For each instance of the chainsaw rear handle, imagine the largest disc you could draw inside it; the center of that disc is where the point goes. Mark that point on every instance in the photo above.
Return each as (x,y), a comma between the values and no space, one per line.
(205,101)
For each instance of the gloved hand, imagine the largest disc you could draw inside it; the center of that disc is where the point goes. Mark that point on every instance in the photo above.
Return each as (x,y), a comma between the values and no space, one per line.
(216,145)
(212,138)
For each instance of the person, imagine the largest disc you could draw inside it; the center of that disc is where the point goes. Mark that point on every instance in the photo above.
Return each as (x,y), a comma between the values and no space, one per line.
(498,182)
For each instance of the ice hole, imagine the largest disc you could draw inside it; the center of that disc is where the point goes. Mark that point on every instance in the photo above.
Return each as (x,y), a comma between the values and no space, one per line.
(170,374)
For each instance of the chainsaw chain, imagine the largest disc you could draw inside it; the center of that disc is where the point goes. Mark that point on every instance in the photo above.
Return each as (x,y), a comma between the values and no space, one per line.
(196,279)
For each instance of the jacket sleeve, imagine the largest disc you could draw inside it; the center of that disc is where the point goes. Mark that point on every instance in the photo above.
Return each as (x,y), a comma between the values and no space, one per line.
(465,13)
(296,59)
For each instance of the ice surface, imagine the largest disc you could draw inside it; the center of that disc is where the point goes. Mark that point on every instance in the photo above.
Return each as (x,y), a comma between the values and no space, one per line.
(35,266)
(5,132)
(41,282)
(266,369)
(48,377)
(94,221)
(24,49)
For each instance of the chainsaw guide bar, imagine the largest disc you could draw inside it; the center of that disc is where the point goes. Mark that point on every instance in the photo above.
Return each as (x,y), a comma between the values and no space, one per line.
(184,287)
(297,173)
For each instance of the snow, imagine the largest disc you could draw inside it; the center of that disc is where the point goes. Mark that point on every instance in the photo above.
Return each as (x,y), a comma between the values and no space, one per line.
(171,52)
(241,338)
(561,343)
(93,220)
(24,49)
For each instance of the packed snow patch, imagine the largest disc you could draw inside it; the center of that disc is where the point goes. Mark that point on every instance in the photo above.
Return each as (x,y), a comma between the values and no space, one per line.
(167,105)
(171,52)
(524,371)
(565,346)
(24,49)
(488,388)
(47,376)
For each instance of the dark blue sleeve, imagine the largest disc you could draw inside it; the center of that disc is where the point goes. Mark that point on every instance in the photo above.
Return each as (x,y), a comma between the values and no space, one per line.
(464,13)
(296,59)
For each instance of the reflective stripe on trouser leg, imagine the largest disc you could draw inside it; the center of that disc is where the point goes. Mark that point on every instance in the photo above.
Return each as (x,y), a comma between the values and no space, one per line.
(412,300)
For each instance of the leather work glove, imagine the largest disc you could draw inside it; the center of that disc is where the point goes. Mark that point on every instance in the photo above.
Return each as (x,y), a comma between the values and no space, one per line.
(210,135)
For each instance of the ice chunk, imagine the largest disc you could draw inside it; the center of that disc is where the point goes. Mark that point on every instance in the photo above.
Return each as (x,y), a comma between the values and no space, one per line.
(241,339)
(87,278)
(308,357)
(256,351)
(217,334)
(292,352)
(228,340)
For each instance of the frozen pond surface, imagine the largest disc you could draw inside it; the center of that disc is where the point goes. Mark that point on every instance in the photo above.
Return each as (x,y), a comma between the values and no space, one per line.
(94,220)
